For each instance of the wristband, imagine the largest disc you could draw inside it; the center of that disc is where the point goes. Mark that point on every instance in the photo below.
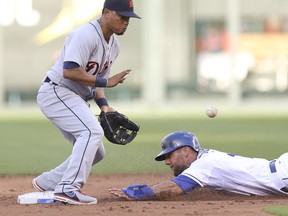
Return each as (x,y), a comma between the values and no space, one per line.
(139,191)
(101,102)
(101,82)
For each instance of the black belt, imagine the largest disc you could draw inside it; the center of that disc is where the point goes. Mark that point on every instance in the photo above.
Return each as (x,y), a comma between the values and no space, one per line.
(48,80)
(272,166)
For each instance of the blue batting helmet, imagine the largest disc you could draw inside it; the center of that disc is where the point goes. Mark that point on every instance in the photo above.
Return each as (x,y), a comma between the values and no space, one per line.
(177,140)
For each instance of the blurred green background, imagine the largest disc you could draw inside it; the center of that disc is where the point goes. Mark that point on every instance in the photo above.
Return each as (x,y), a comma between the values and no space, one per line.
(30,144)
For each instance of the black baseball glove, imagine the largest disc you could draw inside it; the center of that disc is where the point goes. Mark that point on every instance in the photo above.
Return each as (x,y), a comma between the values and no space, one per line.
(118,128)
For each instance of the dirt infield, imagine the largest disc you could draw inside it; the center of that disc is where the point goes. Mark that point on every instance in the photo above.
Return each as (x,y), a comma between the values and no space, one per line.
(199,202)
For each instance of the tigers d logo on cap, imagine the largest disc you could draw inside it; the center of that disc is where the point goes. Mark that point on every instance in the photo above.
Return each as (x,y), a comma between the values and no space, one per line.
(122,7)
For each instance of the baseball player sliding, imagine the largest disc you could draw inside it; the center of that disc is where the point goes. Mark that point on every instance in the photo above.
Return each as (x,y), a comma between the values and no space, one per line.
(80,74)
(195,167)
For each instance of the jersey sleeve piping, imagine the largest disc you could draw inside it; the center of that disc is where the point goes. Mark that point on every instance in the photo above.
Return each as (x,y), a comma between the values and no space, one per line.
(193,178)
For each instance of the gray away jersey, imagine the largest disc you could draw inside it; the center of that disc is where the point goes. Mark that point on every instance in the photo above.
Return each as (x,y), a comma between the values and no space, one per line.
(87,47)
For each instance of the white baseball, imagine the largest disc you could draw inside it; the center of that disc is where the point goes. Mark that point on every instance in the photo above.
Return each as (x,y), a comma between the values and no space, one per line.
(211,111)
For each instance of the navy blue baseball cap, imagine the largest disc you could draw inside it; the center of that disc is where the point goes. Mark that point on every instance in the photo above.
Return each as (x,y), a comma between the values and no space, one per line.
(122,7)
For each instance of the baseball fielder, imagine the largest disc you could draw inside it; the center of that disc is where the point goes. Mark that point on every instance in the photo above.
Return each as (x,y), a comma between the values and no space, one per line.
(80,74)
(195,167)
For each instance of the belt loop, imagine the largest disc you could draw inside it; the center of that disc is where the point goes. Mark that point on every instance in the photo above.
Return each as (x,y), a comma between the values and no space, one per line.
(272,166)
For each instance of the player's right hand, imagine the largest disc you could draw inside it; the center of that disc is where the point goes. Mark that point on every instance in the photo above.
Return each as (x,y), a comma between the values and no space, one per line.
(118,78)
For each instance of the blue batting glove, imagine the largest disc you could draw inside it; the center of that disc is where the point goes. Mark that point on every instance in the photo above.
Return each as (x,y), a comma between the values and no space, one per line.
(139,191)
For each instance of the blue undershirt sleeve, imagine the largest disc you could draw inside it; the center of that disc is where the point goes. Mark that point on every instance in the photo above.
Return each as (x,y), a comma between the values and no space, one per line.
(186,184)
(70,65)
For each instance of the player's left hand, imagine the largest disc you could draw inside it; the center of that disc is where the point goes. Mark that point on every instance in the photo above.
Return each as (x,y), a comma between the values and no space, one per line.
(118,128)
(118,78)
(119,193)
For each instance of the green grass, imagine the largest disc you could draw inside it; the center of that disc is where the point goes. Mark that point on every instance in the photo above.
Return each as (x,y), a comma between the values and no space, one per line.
(277,210)
(33,145)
